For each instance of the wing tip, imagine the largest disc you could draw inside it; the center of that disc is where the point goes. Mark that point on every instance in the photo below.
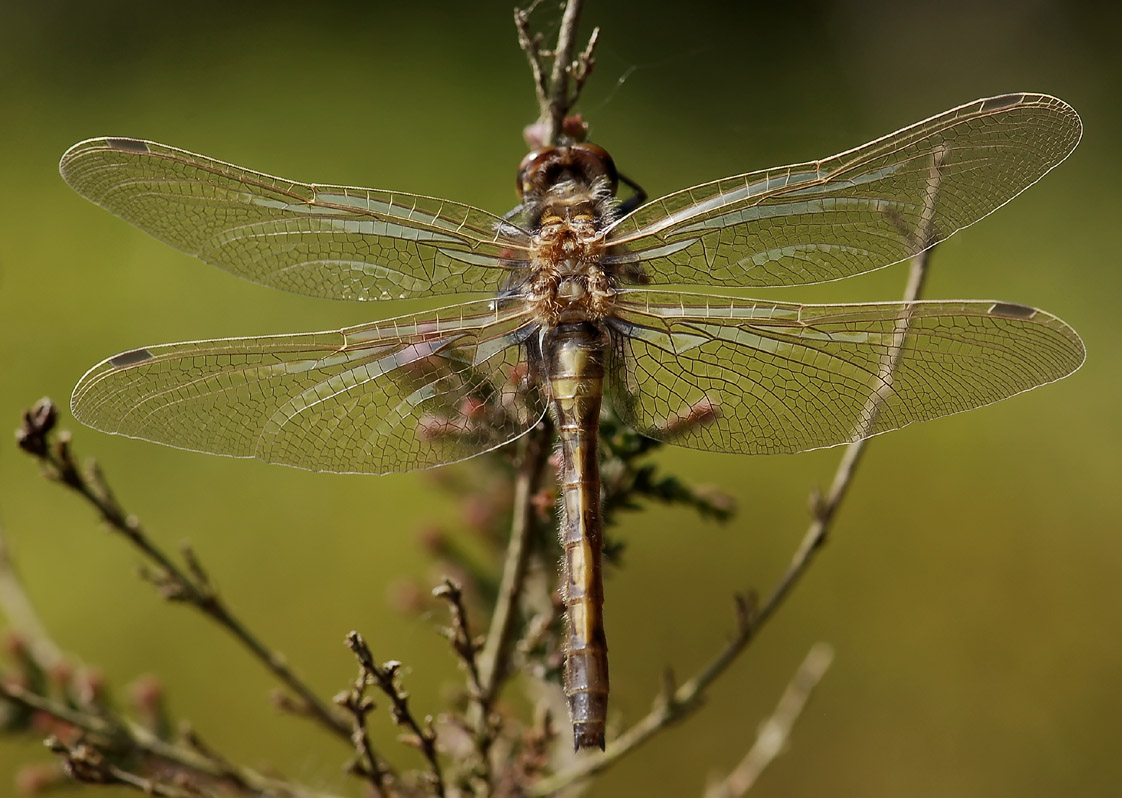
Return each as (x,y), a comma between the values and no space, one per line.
(100,143)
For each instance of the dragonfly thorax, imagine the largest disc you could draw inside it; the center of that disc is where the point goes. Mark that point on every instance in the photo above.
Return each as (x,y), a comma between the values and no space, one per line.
(569,282)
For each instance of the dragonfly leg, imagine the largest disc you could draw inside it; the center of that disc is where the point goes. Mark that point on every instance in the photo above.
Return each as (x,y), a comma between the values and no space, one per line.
(635,200)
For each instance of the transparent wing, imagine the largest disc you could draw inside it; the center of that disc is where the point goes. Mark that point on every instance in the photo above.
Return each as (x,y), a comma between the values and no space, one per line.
(857,211)
(324,241)
(754,377)
(396,395)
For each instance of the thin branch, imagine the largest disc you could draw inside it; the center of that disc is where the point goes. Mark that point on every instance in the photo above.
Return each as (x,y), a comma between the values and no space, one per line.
(532,458)
(775,732)
(555,99)
(488,672)
(21,615)
(189,585)
(230,772)
(559,100)
(582,66)
(87,764)
(120,734)
(355,701)
(32,701)
(676,704)
(530,43)
(459,634)
(384,677)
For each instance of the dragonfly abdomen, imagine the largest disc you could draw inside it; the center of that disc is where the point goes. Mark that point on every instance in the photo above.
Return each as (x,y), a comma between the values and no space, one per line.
(575,356)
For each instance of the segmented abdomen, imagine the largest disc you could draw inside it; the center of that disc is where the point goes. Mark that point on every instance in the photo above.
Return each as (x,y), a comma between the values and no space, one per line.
(575,358)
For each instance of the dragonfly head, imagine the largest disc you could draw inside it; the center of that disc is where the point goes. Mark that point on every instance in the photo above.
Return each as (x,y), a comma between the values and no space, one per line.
(582,163)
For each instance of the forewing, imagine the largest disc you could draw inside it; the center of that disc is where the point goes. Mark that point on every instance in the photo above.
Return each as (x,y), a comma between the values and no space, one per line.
(397,395)
(858,211)
(752,377)
(324,241)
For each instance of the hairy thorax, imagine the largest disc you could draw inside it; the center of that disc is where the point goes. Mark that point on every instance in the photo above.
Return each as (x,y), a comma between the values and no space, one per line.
(570,284)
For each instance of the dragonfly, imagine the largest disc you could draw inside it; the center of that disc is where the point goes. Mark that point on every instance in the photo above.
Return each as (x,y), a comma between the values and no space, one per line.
(574,308)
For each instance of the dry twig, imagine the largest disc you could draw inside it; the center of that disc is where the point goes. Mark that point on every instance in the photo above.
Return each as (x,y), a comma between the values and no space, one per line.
(555,97)
(775,732)
(533,455)
(189,583)
(101,734)
(384,677)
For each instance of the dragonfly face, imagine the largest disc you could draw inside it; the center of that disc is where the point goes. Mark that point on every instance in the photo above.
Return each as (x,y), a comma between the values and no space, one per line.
(569,315)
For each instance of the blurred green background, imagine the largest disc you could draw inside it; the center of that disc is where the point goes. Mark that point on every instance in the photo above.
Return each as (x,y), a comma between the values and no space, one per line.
(972,586)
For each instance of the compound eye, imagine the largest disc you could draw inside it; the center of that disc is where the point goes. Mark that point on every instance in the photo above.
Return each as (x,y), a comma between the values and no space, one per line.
(529,171)
(596,162)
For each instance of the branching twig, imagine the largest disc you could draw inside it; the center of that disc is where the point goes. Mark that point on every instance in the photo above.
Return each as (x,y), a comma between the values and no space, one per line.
(677,703)
(459,634)
(121,735)
(87,764)
(187,584)
(555,98)
(100,730)
(356,702)
(627,477)
(384,677)
(22,697)
(775,732)
(531,45)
